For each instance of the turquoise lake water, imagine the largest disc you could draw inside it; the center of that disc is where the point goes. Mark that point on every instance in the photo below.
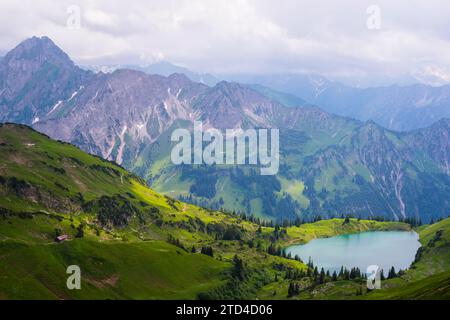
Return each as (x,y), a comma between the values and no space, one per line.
(382,248)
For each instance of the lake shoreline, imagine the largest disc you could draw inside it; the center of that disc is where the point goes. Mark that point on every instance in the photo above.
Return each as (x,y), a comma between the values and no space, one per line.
(384,248)
(335,227)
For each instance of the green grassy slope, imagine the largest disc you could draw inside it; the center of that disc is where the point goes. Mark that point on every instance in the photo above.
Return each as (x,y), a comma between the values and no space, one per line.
(48,187)
(152,270)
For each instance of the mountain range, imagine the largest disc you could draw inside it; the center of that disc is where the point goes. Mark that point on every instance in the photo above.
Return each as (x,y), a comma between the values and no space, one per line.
(162,68)
(330,165)
(395,107)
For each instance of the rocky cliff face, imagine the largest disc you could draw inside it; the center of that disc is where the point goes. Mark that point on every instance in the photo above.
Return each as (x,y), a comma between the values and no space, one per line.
(124,107)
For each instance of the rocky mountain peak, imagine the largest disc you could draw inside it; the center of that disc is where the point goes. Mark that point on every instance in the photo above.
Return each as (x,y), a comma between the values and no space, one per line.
(34,77)
(231,87)
(37,50)
(179,77)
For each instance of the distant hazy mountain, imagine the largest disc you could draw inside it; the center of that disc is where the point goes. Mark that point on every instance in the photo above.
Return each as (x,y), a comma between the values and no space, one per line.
(289,100)
(330,165)
(394,107)
(162,68)
(165,68)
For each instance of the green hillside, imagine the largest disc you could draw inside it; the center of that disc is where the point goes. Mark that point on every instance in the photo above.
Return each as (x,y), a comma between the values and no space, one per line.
(151,270)
(328,166)
(133,243)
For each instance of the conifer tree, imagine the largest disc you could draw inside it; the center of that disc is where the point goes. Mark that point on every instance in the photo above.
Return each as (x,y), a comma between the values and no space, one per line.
(334,276)
(322,276)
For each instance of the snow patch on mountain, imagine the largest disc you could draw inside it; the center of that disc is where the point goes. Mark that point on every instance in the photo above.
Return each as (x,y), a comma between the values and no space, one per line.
(119,158)
(55,107)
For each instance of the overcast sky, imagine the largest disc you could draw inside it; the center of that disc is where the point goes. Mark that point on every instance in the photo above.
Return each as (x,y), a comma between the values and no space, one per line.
(406,39)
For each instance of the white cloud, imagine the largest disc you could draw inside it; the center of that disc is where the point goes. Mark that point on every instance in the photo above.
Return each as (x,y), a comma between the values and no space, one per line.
(327,37)
(100,18)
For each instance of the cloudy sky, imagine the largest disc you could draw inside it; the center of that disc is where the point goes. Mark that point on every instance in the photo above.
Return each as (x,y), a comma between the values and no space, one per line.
(370,41)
